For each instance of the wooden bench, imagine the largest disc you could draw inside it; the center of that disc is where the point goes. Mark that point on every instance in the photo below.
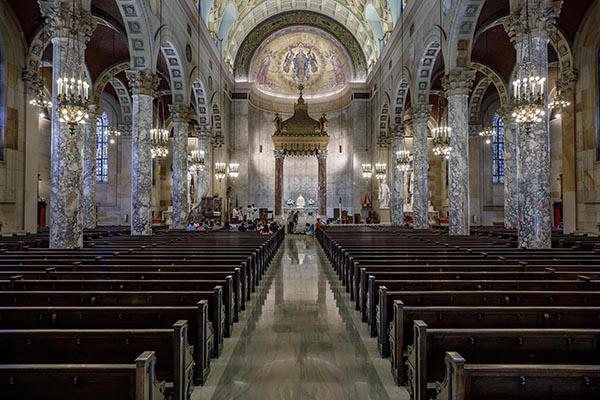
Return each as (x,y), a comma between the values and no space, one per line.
(425,360)
(107,346)
(135,381)
(518,382)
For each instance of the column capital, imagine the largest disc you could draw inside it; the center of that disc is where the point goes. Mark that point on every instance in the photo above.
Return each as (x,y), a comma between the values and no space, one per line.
(279,154)
(93,111)
(458,81)
(143,81)
(34,79)
(421,113)
(505,112)
(321,154)
(180,113)
(567,80)
(68,19)
(542,19)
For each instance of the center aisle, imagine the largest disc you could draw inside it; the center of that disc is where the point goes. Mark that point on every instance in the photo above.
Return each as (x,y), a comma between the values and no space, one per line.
(298,339)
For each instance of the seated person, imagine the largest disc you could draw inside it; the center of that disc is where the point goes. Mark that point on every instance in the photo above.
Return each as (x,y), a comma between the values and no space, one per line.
(320,223)
(265,231)
(226,226)
(309,229)
(217,226)
(242,227)
(190,227)
(252,226)
(274,226)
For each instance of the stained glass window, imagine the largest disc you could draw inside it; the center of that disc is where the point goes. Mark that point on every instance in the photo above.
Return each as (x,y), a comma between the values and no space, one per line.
(498,149)
(102,148)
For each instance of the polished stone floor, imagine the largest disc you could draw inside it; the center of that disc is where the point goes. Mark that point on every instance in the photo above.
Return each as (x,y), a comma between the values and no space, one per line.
(300,339)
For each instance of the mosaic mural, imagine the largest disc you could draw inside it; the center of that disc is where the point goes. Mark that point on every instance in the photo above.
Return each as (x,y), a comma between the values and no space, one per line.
(300,55)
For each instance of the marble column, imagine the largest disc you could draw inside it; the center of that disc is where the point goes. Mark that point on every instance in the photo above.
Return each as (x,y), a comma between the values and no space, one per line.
(143,84)
(180,116)
(511,183)
(279,157)
(89,170)
(457,84)
(533,148)
(397,209)
(322,184)
(420,116)
(203,177)
(566,82)
(66,193)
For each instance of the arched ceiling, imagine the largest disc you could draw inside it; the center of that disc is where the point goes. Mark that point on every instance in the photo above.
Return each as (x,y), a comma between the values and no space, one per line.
(233,20)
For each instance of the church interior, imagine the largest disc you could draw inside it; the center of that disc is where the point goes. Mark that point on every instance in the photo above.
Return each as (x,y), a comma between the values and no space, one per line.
(299,199)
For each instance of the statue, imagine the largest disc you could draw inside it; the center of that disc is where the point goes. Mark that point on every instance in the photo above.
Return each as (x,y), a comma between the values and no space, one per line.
(300,201)
(277,123)
(384,195)
(324,123)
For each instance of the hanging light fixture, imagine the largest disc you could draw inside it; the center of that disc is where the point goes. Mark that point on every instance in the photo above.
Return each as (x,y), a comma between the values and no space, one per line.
(441,133)
(380,171)
(159,136)
(529,89)
(220,171)
(113,134)
(41,100)
(367,171)
(404,160)
(487,133)
(234,170)
(72,98)
(196,160)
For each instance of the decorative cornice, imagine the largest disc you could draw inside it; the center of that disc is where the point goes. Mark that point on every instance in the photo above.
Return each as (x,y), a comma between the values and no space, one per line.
(542,19)
(180,113)
(143,82)
(458,81)
(421,113)
(68,19)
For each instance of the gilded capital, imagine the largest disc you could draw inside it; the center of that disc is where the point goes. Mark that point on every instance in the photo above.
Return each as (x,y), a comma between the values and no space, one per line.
(458,81)
(567,80)
(279,154)
(321,154)
(542,19)
(143,81)
(180,112)
(66,19)
(421,113)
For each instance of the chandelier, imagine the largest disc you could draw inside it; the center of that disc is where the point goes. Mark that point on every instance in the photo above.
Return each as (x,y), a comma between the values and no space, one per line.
(41,100)
(159,136)
(196,160)
(380,171)
(367,171)
(441,133)
(220,171)
(403,160)
(113,134)
(234,170)
(487,133)
(72,91)
(529,92)
(558,102)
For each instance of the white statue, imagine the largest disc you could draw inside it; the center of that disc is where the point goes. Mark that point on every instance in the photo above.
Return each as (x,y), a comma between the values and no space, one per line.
(384,195)
(300,201)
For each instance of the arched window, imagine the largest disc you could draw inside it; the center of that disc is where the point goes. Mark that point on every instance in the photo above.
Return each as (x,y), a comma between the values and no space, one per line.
(102,148)
(498,150)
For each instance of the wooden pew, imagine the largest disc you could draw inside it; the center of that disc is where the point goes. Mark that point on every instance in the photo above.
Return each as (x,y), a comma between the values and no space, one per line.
(135,381)
(106,346)
(465,381)
(425,361)
(201,334)
(401,335)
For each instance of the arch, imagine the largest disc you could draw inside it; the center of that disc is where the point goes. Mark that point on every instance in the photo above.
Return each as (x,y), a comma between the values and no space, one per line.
(335,11)
(177,75)
(400,102)
(104,77)
(201,103)
(461,32)
(475,100)
(263,30)
(383,138)
(497,80)
(424,69)
(137,24)
(216,124)
(125,103)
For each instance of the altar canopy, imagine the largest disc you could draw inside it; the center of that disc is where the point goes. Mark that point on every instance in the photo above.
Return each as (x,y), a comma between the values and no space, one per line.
(301,135)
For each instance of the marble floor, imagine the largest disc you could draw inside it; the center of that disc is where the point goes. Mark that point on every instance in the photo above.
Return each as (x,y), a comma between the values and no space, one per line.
(300,338)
